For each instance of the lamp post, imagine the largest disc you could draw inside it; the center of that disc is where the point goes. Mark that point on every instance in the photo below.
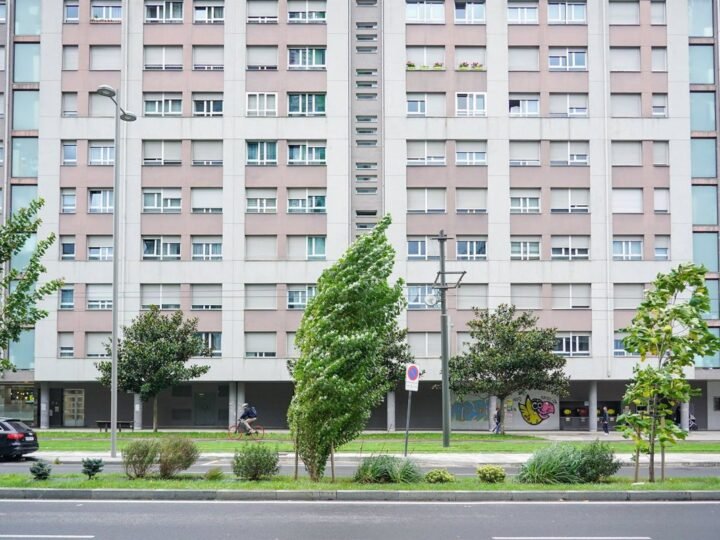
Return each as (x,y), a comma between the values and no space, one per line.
(120,114)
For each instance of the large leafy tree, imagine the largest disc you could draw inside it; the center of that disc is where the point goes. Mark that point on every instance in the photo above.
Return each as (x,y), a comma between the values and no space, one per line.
(19,309)
(669,329)
(507,354)
(153,353)
(351,349)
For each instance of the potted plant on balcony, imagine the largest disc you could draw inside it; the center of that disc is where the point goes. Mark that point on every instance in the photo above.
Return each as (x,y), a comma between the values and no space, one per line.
(464,66)
(410,65)
(477,66)
(438,66)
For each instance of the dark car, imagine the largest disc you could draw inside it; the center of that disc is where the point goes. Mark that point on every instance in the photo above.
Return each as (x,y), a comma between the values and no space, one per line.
(16,438)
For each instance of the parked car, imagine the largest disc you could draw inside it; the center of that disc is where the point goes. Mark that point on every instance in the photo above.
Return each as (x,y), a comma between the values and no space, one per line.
(16,438)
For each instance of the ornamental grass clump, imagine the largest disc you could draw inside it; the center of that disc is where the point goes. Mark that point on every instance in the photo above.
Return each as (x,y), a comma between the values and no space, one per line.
(555,464)
(384,469)
(255,462)
(491,474)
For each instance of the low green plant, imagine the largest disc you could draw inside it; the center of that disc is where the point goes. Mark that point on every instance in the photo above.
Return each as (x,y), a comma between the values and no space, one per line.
(91,467)
(214,474)
(255,462)
(176,454)
(139,457)
(384,469)
(40,470)
(556,464)
(597,462)
(491,474)
(439,476)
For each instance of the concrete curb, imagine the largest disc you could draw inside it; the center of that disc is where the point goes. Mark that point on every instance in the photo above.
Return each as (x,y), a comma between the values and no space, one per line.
(344,496)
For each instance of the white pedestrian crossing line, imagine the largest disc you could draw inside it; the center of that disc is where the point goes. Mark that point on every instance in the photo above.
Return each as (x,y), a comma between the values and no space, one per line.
(571,538)
(59,536)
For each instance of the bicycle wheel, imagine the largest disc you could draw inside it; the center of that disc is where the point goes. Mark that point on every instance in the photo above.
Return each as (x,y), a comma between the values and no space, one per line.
(258,434)
(233,432)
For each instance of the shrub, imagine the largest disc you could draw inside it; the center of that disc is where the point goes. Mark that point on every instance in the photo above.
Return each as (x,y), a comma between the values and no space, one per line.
(139,457)
(491,474)
(439,476)
(597,462)
(176,454)
(92,467)
(214,474)
(40,470)
(385,469)
(555,464)
(255,462)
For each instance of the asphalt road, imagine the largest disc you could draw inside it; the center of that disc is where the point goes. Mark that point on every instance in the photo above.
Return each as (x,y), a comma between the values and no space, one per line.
(351,521)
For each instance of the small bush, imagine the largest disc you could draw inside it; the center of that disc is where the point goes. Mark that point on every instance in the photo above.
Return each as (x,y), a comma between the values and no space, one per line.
(176,454)
(255,462)
(214,474)
(555,464)
(491,474)
(385,469)
(92,467)
(597,462)
(439,476)
(40,470)
(139,457)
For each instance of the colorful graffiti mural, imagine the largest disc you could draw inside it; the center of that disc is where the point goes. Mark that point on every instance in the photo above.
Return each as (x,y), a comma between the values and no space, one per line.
(535,411)
(470,411)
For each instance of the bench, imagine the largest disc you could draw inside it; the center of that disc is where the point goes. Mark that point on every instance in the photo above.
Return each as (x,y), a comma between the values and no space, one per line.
(105,424)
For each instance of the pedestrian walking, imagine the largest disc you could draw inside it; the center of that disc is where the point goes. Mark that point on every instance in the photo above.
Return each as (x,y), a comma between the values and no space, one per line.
(496,429)
(605,419)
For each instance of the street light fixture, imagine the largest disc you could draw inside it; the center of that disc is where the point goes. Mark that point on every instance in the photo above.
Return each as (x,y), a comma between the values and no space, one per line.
(126,116)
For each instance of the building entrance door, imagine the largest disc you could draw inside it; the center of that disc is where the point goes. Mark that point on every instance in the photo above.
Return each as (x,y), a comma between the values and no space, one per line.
(74,408)
(56,407)
(205,408)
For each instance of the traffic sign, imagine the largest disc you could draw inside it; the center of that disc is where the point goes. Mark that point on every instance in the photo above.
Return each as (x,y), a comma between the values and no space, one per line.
(412,377)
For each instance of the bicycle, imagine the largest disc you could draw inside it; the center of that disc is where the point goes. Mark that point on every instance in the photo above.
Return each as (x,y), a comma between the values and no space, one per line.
(236,431)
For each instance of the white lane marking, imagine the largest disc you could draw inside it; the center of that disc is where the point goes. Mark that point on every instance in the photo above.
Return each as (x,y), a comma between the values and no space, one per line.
(375,503)
(571,538)
(44,536)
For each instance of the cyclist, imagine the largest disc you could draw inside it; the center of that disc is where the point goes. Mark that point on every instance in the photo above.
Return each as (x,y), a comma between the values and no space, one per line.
(248,416)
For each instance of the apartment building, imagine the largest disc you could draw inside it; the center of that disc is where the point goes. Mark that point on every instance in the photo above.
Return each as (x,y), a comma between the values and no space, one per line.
(563,145)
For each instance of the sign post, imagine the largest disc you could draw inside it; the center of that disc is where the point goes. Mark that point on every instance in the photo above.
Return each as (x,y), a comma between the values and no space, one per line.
(412,380)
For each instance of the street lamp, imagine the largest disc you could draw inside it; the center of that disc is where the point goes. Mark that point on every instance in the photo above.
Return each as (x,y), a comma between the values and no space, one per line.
(126,116)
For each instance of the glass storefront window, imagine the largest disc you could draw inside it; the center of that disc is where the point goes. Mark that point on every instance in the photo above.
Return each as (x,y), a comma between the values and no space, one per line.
(703,155)
(24,157)
(701,18)
(702,111)
(705,205)
(701,64)
(705,250)
(27,17)
(26,110)
(22,351)
(18,401)
(27,63)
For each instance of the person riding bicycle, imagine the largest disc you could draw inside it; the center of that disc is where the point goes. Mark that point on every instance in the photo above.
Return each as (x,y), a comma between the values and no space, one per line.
(248,416)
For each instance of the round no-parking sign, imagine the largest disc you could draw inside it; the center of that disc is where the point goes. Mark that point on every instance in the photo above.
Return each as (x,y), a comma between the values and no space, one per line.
(412,377)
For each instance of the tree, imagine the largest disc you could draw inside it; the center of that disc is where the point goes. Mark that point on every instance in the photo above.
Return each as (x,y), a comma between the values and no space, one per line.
(152,355)
(19,309)
(507,354)
(350,349)
(669,328)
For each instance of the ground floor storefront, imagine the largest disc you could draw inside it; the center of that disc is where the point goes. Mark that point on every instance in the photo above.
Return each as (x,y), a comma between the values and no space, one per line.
(216,404)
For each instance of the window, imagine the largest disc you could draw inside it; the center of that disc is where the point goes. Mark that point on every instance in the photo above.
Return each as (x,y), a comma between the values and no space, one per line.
(524,201)
(105,11)
(24,157)
(67,297)
(262,152)
(206,200)
(561,59)
(207,153)
(471,248)
(306,11)
(71,11)
(161,200)
(261,296)
(570,201)
(67,248)
(306,153)
(625,59)
(524,104)
(161,153)
(702,111)
(424,344)
(261,104)
(705,205)
(69,104)
(470,153)
(262,58)
(425,11)
(299,295)
(472,295)
(206,297)
(705,250)
(306,58)
(417,294)
(95,344)
(66,345)
(569,105)
(619,340)
(658,13)
(626,153)
(306,104)
(470,104)
(160,104)
(261,201)
(417,104)
(661,153)
(525,248)
(98,297)
(701,63)
(260,345)
(426,201)
(470,58)
(523,59)
(207,248)
(157,11)
(700,18)
(208,57)
(99,248)
(26,109)
(422,248)
(624,12)
(69,153)
(571,296)
(713,287)
(660,105)
(315,248)
(703,158)
(628,295)
(569,153)
(292,351)
(627,248)
(524,153)
(161,248)
(209,11)
(626,106)
(425,57)
(470,201)
(627,201)
(570,248)
(101,153)
(426,152)
(213,341)
(26,67)
(662,248)
(69,58)
(159,58)
(659,59)
(264,248)
(306,201)
(100,201)
(471,12)
(570,12)
(572,344)
(262,11)
(519,12)
(526,296)
(67,201)
(100,106)
(160,295)
(27,17)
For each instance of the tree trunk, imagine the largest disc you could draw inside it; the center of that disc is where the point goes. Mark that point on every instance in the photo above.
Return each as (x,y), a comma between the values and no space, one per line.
(651,442)
(662,462)
(155,413)
(332,463)
(297,459)
(637,464)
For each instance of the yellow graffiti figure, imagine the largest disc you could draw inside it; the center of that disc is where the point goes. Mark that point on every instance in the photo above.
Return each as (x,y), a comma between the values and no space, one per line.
(534,411)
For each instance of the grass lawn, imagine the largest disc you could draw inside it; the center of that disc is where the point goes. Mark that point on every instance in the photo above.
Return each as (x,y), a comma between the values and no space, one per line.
(119,481)
(213,441)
